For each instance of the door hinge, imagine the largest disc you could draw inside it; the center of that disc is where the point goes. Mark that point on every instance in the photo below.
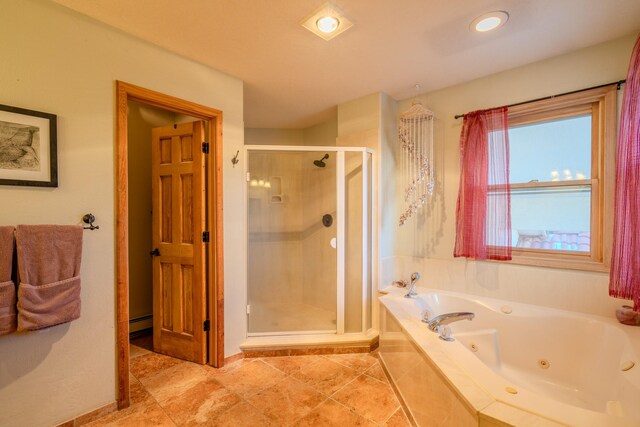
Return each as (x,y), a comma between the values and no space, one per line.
(207,325)
(205,147)
(248,176)
(205,236)
(248,308)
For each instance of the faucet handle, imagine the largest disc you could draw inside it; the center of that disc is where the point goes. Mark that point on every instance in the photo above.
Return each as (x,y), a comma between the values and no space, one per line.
(444,333)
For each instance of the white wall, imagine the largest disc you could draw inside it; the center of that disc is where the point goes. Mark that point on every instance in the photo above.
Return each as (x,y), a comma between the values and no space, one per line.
(320,134)
(273,136)
(426,242)
(60,62)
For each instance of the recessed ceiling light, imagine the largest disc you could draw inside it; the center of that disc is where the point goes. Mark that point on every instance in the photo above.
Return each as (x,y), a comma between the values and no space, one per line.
(327,22)
(489,21)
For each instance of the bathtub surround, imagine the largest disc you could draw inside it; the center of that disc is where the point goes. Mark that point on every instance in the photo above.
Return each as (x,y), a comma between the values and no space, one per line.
(624,280)
(513,363)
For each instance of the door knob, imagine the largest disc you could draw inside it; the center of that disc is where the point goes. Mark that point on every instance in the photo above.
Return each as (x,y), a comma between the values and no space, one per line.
(155,252)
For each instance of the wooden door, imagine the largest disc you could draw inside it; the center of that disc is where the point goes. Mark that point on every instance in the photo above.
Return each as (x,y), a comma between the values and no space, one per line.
(179,270)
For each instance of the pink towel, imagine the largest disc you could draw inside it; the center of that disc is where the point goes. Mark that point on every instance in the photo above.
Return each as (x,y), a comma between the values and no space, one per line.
(49,271)
(7,287)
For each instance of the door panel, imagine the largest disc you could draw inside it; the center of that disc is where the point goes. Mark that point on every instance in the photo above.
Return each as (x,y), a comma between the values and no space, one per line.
(179,291)
(292,265)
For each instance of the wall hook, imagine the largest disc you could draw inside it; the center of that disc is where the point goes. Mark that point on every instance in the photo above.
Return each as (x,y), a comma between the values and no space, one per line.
(89,219)
(235,159)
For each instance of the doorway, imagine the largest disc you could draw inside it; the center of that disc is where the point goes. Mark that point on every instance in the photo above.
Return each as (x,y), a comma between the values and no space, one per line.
(187,271)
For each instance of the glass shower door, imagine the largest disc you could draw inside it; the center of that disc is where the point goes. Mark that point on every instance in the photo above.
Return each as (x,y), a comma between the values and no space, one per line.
(292,228)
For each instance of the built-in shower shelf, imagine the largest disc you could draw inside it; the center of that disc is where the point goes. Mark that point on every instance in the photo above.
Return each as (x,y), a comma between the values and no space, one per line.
(275,192)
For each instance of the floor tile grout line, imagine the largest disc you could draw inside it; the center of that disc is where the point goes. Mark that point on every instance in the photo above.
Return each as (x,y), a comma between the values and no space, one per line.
(291,377)
(287,373)
(354,412)
(345,385)
(347,354)
(399,408)
(156,400)
(308,411)
(371,376)
(358,376)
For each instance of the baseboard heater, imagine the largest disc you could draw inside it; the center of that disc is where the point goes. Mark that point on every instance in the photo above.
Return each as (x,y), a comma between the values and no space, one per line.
(139,325)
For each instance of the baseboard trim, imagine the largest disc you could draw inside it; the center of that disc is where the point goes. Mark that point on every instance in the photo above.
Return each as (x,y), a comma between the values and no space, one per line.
(91,415)
(234,358)
(141,333)
(276,350)
(141,323)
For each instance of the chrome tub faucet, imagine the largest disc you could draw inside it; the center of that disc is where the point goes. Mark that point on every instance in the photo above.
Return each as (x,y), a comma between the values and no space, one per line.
(412,286)
(438,323)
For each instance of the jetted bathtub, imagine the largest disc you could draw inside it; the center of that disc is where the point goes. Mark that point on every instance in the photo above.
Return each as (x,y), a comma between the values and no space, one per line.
(561,366)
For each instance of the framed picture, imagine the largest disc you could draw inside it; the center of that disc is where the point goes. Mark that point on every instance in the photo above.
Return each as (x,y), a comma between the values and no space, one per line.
(28,147)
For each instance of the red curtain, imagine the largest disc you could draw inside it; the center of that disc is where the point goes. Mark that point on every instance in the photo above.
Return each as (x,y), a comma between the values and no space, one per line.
(483,213)
(624,280)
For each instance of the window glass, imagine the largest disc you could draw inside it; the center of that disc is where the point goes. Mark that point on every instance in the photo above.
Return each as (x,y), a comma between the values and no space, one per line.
(555,150)
(552,218)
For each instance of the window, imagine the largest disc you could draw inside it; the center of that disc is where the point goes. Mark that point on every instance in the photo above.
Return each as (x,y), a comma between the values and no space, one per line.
(562,159)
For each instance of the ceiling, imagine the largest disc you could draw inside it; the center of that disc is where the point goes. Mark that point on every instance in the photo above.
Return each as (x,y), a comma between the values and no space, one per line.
(294,79)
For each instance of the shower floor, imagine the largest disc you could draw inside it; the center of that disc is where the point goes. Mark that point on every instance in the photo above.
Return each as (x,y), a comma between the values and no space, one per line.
(281,316)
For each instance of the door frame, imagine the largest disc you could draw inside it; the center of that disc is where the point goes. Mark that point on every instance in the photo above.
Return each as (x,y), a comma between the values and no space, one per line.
(215,269)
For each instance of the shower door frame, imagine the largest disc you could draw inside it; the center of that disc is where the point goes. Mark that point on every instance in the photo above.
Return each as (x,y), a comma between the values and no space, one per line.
(367,233)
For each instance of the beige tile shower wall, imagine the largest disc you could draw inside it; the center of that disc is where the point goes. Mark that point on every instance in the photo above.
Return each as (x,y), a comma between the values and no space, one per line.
(66,64)
(275,229)
(275,271)
(426,242)
(319,264)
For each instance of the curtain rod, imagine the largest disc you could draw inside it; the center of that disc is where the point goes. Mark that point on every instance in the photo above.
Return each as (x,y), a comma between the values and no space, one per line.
(618,83)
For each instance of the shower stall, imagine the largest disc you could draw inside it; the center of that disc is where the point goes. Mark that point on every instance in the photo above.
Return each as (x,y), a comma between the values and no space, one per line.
(309,234)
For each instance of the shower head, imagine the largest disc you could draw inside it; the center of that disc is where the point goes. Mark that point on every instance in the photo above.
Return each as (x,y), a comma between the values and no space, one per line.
(320,163)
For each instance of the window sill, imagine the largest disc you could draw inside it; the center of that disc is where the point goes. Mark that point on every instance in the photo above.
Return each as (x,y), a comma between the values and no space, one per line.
(557,259)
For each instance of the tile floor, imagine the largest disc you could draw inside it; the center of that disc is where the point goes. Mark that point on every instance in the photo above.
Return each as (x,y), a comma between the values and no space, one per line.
(332,390)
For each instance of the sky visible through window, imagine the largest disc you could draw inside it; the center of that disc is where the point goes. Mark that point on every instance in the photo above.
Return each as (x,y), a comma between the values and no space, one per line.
(554,150)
